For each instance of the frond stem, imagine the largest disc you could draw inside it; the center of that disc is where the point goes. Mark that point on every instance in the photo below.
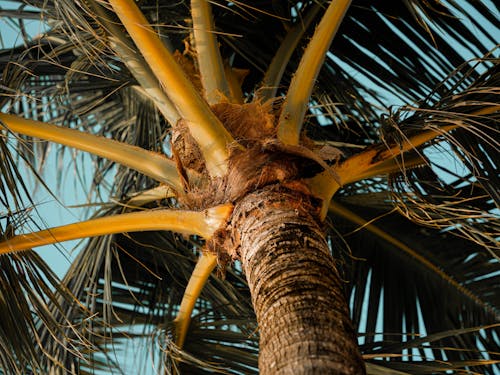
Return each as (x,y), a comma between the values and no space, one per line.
(155,194)
(150,163)
(371,162)
(204,267)
(137,66)
(201,223)
(275,71)
(300,90)
(213,77)
(204,126)
(357,166)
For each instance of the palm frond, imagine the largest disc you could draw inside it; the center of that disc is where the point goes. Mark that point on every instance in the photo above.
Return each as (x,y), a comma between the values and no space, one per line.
(138,279)
(210,63)
(403,294)
(36,326)
(301,87)
(471,193)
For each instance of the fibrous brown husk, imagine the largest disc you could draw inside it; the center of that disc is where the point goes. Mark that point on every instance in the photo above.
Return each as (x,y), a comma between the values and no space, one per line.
(185,148)
(248,122)
(249,170)
(262,161)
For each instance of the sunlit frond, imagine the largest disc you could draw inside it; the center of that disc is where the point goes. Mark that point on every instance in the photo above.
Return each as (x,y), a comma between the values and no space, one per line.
(300,90)
(212,74)
(200,223)
(211,136)
(147,162)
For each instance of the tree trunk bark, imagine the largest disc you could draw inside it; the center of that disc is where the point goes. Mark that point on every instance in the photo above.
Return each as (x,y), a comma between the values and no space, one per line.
(297,294)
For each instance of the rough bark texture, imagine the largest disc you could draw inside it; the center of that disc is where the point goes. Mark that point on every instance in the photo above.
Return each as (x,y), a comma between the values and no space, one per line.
(296,291)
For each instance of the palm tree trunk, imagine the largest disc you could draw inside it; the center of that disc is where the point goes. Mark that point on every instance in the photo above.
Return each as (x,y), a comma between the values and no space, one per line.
(296,291)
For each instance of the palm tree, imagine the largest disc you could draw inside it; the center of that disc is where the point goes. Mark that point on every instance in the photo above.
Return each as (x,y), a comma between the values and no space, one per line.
(336,162)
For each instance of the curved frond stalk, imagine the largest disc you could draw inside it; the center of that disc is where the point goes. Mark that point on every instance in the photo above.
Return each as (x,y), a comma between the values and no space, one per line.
(275,71)
(150,163)
(204,126)
(340,210)
(204,267)
(361,165)
(137,66)
(144,197)
(213,77)
(323,186)
(299,92)
(200,223)
(392,165)
(369,163)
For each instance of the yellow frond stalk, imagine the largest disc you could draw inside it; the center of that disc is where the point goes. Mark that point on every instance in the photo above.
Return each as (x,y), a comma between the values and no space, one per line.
(147,162)
(487,110)
(204,126)
(137,66)
(359,166)
(392,165)
(213,77)
(373,369)
(201,223)
(275,71)
(382,159)
(300,90)
(150,195)
(323,186)
(204,267)
(369,163)
(340,210)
